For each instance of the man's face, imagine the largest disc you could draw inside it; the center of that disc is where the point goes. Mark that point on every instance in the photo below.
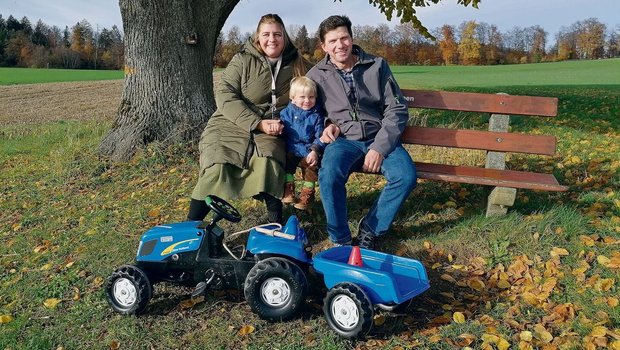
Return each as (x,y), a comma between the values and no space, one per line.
(338,44)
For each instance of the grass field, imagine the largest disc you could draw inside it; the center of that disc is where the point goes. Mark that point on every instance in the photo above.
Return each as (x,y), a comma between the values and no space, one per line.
(568,73)
(543,277)
(10,76)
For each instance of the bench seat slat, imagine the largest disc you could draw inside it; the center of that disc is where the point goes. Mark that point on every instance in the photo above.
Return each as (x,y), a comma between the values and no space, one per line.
(491,177)
(480,140)
(483,103)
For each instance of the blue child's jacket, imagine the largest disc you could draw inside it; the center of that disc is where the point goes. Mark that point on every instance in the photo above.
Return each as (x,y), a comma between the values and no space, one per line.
(302,130)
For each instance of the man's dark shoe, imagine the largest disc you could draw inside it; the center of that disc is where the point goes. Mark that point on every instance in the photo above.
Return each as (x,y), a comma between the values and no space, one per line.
(365,238)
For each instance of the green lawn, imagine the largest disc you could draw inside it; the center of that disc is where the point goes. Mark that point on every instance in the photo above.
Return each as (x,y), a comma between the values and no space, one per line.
(10,76)
(543,277)
(569,73)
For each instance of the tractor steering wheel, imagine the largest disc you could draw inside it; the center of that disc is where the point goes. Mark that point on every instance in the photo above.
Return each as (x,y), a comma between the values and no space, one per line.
(223,208)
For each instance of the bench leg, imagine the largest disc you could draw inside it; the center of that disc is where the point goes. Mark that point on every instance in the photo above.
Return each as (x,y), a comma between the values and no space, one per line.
(500,199)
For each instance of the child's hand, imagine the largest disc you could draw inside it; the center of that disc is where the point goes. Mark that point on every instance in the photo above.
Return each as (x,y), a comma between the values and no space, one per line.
(312,158)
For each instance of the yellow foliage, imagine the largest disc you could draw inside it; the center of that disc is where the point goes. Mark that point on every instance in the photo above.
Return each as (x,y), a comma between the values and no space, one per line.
(51,303)
(476,284)
(525,336)
(458,317)
(558,252)
(5,319)
(245,330)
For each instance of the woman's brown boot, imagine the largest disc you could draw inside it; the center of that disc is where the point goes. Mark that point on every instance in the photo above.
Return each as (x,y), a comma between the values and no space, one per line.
(289,193)
(306,198)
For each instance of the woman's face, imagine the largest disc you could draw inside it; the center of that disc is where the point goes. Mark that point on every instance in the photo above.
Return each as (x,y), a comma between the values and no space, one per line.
(271,39)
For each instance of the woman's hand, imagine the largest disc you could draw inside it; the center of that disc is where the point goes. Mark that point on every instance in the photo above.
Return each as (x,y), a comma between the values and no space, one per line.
(330,133)
(270,127)
(312,158)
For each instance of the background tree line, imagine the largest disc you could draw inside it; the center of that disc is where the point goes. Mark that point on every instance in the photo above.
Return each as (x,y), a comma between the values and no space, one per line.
(43,46)
(470,43)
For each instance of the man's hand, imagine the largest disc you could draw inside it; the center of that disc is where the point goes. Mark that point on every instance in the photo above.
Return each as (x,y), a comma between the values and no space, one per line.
(312,158)
(330,133)
(270,126)
(372,162)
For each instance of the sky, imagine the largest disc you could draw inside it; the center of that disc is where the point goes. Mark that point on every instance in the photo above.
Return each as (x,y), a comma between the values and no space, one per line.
(551,15)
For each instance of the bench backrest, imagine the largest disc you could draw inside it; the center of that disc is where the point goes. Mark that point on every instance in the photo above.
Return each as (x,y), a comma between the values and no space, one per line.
(485,103)
(476,102)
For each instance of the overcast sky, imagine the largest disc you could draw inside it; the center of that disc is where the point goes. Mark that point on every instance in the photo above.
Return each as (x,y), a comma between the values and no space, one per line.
(505,14)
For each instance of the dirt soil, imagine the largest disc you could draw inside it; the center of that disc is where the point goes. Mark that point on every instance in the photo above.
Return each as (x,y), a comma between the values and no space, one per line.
(37,103)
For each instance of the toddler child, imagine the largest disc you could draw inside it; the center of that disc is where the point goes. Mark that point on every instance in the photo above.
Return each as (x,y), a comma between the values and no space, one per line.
(303,126)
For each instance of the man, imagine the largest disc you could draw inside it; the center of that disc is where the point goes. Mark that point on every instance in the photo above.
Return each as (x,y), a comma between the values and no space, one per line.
(366,114)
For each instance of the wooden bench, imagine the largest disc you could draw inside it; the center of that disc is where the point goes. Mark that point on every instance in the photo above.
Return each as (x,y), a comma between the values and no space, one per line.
(497,141)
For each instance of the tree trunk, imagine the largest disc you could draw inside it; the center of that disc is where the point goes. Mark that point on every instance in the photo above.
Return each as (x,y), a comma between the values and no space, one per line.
(168,89)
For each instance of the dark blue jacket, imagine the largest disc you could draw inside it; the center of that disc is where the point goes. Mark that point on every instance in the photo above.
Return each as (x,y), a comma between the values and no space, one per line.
(302,130)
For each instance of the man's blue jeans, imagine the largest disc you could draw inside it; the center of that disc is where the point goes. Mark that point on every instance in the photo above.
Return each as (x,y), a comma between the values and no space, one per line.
(340,159)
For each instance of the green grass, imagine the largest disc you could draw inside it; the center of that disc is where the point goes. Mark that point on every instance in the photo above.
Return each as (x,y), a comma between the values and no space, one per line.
(11,76)
(68,218)
(568,73)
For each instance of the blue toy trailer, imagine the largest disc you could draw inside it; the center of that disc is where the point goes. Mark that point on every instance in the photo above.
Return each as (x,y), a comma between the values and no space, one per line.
(384,281)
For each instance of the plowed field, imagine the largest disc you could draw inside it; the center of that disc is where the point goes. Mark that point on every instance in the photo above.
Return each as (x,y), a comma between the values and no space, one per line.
(37,103)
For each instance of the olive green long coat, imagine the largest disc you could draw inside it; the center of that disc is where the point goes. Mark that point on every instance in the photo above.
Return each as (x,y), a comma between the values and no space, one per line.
(243,98)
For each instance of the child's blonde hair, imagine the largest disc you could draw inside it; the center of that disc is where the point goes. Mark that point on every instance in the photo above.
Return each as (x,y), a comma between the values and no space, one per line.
(300,84)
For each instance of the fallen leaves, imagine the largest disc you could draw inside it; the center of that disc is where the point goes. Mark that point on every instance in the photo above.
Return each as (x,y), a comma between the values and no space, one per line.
(5,319)
(458,317)
(245,330)
(51,303)
(527,282)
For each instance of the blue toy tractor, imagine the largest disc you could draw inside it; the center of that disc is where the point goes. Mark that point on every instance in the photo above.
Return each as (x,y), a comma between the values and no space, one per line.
(270,270)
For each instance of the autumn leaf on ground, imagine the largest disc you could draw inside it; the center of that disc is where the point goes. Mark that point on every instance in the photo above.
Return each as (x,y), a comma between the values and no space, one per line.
(245,330)
(379,320)
(51,303)
(5,319)
(541,333)
(555,251)
(153,213)
(448,278)
(458,317)
(190,303)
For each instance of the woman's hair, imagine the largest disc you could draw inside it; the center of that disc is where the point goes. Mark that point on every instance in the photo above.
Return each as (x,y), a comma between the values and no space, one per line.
(333,22)
(301,84)
(299,65)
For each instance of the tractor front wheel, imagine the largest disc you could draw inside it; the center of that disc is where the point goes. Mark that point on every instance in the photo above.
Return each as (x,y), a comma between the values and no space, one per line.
(128,290)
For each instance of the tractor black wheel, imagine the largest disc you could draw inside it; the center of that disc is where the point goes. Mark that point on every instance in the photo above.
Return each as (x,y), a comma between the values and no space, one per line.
(348,310)
(276,289)
(128,290)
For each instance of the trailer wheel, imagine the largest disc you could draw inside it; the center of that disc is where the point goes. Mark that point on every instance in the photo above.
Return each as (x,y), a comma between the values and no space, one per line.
(128,290)
(348,310)
(276,289)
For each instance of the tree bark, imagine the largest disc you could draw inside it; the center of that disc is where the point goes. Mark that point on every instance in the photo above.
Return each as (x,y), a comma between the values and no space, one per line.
(168,89)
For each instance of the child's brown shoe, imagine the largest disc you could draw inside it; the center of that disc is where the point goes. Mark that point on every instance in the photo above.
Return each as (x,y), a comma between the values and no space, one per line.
(289,193)
(306,198)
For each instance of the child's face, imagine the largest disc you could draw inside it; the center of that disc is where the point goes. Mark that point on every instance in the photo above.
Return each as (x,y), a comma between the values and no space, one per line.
(304,99)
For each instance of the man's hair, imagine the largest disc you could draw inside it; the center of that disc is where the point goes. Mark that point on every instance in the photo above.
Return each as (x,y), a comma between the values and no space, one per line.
(333,22)
(300,84)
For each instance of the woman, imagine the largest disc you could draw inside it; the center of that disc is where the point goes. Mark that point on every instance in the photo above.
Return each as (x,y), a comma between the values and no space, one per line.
(241,154)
